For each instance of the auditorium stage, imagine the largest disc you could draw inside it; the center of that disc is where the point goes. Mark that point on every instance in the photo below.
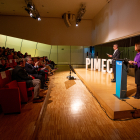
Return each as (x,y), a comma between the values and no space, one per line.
(102,88)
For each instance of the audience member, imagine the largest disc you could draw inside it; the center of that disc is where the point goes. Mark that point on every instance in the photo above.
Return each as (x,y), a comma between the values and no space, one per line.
(4,65)
(20,75)
(5,56)
(50,63)
(48,67)
(19,54)
(42,69)
(33,70)
(26,54)
(8,51)
(1,51)
(11,55)
(15,55)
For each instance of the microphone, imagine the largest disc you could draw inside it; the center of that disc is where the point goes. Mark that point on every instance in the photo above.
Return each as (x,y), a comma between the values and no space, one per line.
(125,59)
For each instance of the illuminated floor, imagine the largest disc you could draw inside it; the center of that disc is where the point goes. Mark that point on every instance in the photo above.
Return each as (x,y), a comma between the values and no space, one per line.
(72,113)
(69,112)
(100,85)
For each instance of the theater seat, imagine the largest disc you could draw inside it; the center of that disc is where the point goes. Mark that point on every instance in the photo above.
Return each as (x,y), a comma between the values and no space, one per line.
(10,100)
(46,75)
(10,56)
(5,78)
(12,63)
(23,90)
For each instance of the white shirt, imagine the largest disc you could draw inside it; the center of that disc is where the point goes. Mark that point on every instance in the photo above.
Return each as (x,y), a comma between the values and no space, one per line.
(115,51)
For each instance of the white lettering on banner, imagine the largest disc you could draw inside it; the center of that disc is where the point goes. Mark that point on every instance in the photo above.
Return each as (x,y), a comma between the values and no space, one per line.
(87,62)
(91,63)
(98,65)
(109,70)
(103,65)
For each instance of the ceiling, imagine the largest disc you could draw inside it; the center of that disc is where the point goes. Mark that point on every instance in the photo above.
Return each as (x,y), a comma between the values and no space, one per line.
(52,8)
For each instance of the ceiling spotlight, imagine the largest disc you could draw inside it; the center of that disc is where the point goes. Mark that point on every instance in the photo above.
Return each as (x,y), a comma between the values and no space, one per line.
(80,13)
(76,24)
(39,19)
(32,11)
(31,15)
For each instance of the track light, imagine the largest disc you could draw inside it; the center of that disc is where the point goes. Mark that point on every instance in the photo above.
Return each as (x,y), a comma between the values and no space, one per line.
(76,24)
(31,15)
(32,7)
(32,11)
(80,13)
(39,19)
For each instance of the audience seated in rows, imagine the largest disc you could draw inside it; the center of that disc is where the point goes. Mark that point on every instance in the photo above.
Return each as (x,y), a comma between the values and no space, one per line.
(5,52)
(15,55)
(1,51)
(49,62)
(4,65)
(44,63)
(19,74)
(25,55)
(45,66)
(39,69)
(41,65)
(19,54)
(33,70)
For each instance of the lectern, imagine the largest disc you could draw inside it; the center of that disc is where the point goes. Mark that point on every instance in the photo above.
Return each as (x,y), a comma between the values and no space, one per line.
(121,78)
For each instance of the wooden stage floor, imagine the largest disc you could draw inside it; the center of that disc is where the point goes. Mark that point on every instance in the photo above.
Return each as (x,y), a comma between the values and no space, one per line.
(102,88)
(69,112)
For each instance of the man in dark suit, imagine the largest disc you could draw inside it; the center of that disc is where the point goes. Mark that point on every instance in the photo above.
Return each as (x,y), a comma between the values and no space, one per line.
(33,70)
(116,55)
(19,74)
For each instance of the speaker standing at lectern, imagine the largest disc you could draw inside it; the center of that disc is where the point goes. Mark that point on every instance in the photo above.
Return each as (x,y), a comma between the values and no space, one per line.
(136,62)
(116,55)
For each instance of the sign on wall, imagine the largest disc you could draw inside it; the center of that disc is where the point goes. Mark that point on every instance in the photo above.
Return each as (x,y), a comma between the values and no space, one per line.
(99,64)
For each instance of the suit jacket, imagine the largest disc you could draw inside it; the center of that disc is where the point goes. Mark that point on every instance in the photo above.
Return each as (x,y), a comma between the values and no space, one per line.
(30,69)
(116,55)
(19,74)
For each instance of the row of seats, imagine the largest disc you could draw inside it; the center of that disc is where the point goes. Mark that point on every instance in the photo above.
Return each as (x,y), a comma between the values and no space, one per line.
(12,57)
(13,93)
(12,62)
